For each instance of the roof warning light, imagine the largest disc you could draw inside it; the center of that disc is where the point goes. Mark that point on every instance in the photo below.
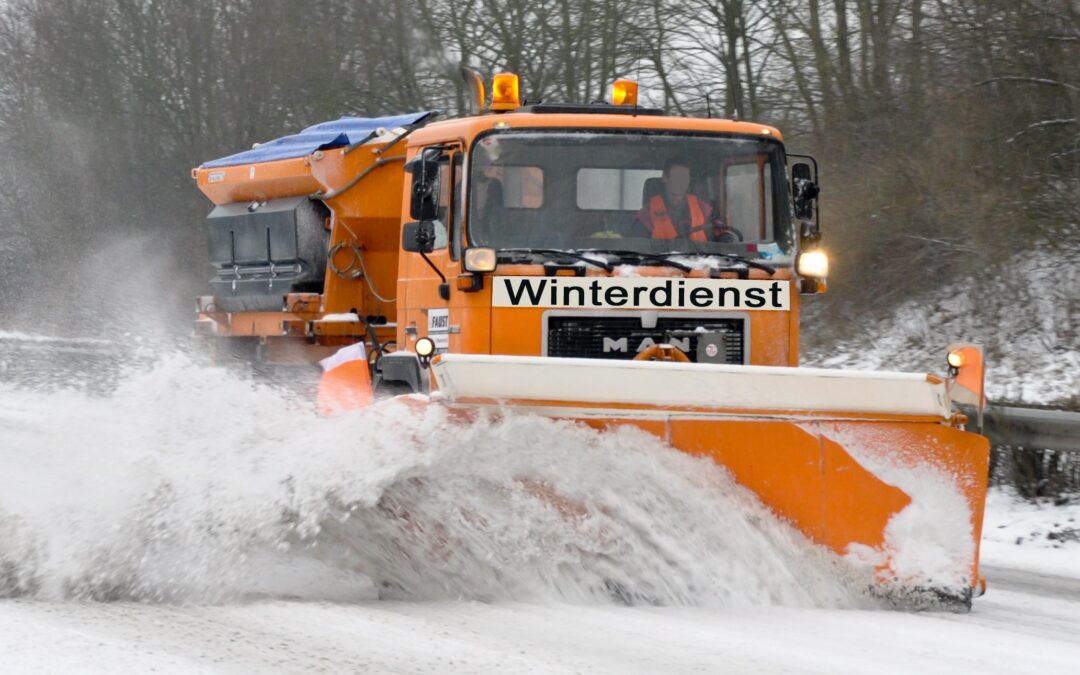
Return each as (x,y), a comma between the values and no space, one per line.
(505,92)
(624,92)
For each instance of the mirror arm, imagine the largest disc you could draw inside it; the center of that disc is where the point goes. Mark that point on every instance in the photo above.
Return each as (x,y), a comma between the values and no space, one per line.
(444,286)
(809,233)
(433,266)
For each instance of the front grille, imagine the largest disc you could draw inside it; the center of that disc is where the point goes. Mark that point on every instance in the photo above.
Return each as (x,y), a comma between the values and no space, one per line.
(621,337)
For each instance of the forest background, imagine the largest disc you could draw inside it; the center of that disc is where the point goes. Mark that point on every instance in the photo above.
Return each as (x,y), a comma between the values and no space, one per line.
(948,133)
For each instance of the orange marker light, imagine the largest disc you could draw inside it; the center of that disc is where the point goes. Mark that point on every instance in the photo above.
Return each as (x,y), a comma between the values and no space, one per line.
(624,92)
(956,358)
(505,92)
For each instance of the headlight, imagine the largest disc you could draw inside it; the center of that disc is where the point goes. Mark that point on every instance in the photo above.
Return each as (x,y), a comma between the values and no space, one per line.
(813,263)
(480,260)
(425,347)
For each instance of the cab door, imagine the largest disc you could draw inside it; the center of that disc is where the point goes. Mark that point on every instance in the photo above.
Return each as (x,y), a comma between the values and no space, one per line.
(426,285)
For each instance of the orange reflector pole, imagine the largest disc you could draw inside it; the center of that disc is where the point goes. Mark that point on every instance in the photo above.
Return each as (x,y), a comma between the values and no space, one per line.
(624,92)
(346,381)
(969,372)
(505,92)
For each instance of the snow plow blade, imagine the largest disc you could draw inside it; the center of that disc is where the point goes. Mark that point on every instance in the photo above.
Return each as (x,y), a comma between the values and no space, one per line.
(871,465)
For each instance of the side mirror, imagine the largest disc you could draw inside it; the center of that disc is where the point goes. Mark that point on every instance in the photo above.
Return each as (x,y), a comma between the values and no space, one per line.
(418,237)
(424,204)
(804,191)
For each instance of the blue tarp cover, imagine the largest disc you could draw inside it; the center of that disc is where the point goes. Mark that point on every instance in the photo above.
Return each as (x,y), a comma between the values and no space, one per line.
(336,134)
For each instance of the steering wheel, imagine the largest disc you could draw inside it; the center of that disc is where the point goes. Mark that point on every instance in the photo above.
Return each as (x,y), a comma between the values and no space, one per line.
(727,235)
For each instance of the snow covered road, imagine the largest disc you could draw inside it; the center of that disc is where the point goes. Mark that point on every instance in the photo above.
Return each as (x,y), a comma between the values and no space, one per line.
(1026,623)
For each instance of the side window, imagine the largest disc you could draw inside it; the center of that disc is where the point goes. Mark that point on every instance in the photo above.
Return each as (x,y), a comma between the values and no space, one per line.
(748,203)
(513,187)
(609,189)
(442,222)
(457,205)
(767,192)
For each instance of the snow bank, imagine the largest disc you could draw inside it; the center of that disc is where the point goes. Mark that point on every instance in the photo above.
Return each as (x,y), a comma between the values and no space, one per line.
(1027,318)
(1037,536)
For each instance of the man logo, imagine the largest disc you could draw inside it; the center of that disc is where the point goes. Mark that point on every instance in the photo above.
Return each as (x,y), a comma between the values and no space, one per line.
(623,344)
(620,345)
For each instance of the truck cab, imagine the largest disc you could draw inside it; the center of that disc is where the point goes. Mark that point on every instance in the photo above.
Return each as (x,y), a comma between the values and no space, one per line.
(540,231)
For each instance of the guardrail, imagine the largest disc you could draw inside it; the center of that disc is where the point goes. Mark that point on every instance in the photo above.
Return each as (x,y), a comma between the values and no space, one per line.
(1034,450)
(1057,430)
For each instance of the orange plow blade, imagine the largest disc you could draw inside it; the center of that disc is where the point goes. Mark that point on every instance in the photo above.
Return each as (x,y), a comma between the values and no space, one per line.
(869,465)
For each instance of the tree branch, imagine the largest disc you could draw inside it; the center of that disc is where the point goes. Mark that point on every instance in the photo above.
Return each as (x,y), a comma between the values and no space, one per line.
(1042,125)
(1028,80)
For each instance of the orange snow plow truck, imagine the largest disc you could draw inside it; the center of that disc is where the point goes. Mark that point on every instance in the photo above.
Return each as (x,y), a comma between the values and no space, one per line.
(603,263)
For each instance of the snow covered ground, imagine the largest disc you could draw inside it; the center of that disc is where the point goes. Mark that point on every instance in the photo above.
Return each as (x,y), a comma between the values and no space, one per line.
(1019,626)
(182,520)
(1040,537)
(1027,318)
(1027,622)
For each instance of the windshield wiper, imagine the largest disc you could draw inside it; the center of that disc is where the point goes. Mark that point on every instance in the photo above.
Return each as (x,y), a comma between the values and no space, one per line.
(654,257)
(559,253)
(737,258)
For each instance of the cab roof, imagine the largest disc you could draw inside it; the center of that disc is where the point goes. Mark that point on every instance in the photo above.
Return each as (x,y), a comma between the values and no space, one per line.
(595,117)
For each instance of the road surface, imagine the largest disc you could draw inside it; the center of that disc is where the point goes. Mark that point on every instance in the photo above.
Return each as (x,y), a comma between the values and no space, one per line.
(1025,623)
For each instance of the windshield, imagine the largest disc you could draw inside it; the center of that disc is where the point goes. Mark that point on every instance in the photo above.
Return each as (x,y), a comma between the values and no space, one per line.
(648,193)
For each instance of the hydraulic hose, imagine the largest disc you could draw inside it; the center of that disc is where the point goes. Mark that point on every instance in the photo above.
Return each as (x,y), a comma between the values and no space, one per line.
(355,269)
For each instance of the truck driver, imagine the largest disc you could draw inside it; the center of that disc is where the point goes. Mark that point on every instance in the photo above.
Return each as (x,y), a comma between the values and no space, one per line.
(674,213)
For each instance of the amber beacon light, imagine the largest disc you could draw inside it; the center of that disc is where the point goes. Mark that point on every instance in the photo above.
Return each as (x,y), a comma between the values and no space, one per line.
(505,92)
(624,92)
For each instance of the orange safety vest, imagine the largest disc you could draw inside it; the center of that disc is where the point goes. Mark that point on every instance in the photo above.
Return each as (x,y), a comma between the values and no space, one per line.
(661,226)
